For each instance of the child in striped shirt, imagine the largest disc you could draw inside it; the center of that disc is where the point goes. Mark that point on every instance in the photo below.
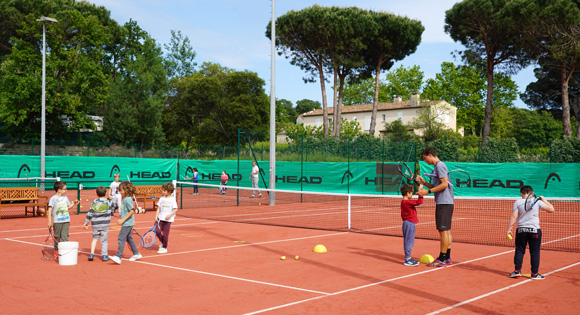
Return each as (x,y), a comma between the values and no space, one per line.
(100,217)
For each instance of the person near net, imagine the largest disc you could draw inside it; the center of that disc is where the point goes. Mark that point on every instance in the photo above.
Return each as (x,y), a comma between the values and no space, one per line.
(195,178)
(99,216)
(444,201)
(528,231)
(165,215)
(113,192)
(224,182)
(409,216)
(58,214)
(255,177)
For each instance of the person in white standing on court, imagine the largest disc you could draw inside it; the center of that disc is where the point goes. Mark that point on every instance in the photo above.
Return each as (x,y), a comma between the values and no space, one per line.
(255,177)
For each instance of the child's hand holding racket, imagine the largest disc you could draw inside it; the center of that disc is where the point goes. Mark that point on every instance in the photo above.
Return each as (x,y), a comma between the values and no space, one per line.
(420,179)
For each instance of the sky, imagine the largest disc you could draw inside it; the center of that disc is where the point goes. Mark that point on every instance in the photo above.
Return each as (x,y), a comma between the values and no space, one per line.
(232,33)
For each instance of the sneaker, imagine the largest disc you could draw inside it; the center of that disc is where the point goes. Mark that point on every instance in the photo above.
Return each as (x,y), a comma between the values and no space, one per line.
(411,262)
(448,262)
(437,263)
(106,258)
(537,276)
(116,259)
(162,250)
(252,196)
(91,257)
(135,257)
(515,274)
(260,196)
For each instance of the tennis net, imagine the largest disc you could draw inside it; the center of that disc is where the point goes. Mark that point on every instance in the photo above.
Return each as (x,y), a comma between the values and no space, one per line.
(475,220)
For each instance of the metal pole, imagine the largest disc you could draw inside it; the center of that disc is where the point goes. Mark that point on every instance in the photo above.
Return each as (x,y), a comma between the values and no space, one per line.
(272,197)
(43,126)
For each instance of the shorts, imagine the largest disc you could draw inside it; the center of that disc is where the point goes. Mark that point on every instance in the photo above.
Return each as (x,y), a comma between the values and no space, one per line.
(443,214)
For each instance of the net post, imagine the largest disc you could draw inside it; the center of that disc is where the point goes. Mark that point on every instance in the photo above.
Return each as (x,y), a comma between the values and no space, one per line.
(349,219)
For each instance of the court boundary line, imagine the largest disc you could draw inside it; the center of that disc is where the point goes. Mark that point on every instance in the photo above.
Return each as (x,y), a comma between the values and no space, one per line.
(496,291)
(232,277)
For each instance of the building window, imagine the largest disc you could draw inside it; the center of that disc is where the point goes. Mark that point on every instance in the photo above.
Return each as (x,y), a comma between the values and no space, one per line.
(367,122)
(447,118)
(317,122)
(384,117)
(400,116)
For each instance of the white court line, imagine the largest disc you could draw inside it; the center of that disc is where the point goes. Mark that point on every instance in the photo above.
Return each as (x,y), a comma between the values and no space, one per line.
(497,291)
(242,245)
(234,278)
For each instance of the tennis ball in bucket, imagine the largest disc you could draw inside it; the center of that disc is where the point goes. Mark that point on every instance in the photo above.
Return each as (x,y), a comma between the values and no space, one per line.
(425,259)
(283,258)
(510,237)
(319,249)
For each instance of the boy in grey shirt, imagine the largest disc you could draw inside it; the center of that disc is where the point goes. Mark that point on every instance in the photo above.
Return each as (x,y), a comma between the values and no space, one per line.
(100,217)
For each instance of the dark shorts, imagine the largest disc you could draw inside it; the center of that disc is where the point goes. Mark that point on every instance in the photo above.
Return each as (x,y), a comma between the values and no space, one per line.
(443,214)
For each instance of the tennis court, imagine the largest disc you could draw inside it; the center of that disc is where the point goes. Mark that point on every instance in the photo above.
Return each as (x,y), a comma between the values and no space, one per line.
(222,267)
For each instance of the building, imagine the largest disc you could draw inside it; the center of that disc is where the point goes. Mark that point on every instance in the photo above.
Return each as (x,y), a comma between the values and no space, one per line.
(406,111)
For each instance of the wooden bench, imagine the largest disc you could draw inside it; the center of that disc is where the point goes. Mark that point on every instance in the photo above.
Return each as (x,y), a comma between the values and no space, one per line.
(26,197)
(149,192)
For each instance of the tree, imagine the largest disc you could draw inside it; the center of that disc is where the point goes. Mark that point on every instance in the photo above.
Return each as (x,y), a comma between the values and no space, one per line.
(350,129)
(137,91)
(214,103)
(305,105)
(397,131)
(490,36)
(285,111)
(545,93)
(551,31)
(180,55)
(465,88)
(395,38)
(76,83)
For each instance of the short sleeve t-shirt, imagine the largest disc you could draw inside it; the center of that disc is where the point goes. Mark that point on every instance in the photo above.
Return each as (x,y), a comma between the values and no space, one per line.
(531,218)
(444,197)
(59,206)
(114,188)
(255,171)
(166,206)
(127,206)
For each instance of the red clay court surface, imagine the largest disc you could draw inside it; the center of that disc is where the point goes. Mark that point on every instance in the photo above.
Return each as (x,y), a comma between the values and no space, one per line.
(218,267)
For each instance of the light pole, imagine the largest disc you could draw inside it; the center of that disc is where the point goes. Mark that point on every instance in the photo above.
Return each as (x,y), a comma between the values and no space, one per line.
(44,20)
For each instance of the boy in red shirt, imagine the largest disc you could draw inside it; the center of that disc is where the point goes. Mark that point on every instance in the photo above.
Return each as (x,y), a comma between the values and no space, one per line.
(409,216)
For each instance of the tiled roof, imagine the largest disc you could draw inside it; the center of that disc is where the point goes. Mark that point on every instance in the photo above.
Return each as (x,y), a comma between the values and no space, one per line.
(369,107)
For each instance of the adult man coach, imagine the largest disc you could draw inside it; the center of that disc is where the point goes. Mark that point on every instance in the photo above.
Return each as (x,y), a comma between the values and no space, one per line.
(443,203)
(255,177)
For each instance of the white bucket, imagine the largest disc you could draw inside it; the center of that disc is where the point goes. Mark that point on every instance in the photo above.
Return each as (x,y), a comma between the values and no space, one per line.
(68,253)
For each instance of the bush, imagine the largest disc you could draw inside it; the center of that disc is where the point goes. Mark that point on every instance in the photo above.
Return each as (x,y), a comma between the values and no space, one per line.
(565,151)
(500,151)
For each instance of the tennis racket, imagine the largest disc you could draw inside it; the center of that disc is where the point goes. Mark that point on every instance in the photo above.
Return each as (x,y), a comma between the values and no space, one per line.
(460,178)
(48,250)
(531,200)
(136,238)
(137,209)
(406,172)
(149,238)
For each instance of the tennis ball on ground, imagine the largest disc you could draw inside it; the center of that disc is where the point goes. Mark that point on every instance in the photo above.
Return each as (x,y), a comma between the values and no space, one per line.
(296,257)
(283,257)
(425,259)
(510,237)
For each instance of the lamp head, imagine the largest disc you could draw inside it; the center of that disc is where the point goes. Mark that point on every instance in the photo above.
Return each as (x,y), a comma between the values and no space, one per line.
(45,19)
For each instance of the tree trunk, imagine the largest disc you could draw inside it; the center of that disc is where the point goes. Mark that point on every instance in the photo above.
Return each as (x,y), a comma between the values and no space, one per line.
(324,102)
(339,104)
(335,127)
(375,102)
(575,105)
(565,104)
(488,101)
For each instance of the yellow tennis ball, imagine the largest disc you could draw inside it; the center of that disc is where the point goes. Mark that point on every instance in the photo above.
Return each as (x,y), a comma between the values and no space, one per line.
(297,257)
(259,204)
(283,257)
(510,237)
(86,227)
(319,249)
(425,259)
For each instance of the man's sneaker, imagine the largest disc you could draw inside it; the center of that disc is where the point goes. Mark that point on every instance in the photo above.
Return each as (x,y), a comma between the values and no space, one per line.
(411,262)
(515,274)
(437,263)
(135,257)
(537,276)
(91,257)
(106,258)
(162,250)
(448,262)
(260,196)
(116,259)
(252,196)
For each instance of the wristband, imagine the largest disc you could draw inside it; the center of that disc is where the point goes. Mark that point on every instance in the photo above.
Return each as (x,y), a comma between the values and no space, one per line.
(429,190)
